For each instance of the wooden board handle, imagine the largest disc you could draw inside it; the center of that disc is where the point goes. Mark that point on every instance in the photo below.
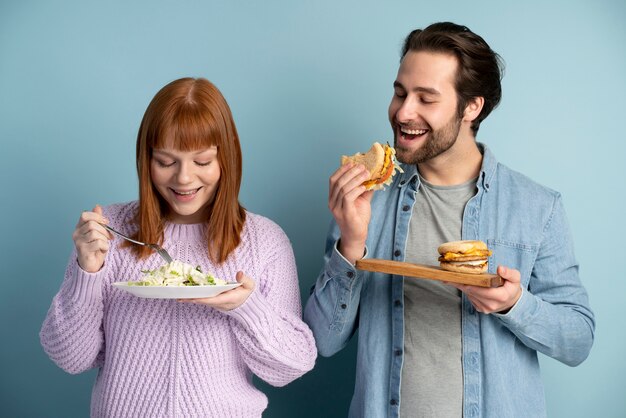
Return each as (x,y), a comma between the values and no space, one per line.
(428,272)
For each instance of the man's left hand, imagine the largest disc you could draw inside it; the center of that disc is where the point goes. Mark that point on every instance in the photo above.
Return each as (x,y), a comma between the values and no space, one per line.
(496,299)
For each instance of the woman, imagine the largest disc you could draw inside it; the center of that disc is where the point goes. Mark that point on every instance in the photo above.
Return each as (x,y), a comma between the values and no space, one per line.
(164,357)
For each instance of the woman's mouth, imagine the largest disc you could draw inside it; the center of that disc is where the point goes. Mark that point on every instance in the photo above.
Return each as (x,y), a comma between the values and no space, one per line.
(185,195)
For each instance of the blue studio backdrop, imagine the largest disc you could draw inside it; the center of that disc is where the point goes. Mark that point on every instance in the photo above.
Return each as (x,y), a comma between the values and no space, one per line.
(307,81)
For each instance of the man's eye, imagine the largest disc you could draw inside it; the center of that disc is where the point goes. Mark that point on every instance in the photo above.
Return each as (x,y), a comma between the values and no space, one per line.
(399,94)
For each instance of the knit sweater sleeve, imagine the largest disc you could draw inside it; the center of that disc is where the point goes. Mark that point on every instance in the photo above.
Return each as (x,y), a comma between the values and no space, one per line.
(71,333)
(274,341)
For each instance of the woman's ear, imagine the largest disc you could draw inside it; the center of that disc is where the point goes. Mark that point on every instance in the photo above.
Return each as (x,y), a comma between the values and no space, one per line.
(473,108)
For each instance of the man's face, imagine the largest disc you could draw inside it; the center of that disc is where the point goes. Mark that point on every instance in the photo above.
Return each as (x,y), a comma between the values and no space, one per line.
(423,109)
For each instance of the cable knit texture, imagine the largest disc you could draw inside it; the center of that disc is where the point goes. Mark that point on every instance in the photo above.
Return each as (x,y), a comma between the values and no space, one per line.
(163,358)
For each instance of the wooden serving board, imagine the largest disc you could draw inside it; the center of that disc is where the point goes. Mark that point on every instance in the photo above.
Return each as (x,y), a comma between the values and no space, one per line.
(428,272)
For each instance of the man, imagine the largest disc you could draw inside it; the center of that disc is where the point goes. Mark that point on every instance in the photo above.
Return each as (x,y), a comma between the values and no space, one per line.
(427,348)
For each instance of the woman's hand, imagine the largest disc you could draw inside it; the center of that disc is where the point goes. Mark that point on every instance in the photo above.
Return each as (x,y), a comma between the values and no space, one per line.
(230,299)
(91,240)
(349,203)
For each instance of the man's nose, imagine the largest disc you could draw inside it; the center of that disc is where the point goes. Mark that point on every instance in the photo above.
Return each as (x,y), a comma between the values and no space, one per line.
(408,110)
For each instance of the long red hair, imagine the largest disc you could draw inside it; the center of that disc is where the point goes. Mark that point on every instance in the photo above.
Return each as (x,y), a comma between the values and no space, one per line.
(191,114)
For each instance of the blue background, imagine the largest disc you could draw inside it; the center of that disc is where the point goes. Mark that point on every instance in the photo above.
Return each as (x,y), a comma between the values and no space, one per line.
(307,81)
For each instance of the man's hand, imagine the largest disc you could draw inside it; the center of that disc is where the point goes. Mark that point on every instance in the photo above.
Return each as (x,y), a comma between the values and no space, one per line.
(230,299)
(497,299)
(349,203)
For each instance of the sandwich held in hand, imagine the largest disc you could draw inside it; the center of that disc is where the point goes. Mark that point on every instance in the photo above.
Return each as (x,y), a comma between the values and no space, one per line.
(464,256)
(380,161)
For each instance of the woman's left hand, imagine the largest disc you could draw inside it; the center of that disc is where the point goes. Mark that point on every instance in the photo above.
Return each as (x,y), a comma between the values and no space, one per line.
(230,299)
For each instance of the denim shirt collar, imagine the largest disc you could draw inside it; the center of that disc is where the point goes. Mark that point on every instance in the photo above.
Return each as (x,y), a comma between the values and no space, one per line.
(488,168)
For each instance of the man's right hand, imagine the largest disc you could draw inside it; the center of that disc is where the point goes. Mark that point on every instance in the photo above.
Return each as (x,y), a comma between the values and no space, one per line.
(91,240)
(350,205)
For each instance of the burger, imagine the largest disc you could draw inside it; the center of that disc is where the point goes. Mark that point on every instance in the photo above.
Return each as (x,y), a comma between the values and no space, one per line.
(380,161)
(464,256)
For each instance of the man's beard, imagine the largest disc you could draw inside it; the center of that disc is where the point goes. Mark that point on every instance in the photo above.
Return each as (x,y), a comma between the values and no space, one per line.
(438,142)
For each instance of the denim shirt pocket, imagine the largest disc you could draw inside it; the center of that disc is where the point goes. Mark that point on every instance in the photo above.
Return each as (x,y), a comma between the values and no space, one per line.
(515,255)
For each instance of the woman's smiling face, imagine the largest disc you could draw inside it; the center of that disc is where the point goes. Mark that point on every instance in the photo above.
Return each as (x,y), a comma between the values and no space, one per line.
(187,181)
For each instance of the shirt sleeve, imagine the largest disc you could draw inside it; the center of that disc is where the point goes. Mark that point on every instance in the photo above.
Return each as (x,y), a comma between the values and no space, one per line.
(71,333)
(554,316)
(333,306)
(274,341)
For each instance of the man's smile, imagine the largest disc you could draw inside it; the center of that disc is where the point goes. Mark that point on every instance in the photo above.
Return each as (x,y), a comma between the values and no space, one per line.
(411,134)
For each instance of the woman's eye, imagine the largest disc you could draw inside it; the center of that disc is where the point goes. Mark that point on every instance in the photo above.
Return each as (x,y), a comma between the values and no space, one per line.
(164,164)
(203,163)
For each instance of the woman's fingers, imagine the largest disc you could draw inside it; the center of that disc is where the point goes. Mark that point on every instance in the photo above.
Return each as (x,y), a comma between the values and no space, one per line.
(95,246)
(230,299)
(91,231)
(91,239)
(246,282)
(95,216)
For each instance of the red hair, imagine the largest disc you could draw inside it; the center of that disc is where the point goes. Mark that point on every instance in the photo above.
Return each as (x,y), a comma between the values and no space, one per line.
(190,114)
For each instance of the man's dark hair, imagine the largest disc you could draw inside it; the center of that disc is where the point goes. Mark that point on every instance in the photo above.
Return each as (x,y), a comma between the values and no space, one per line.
(480,68)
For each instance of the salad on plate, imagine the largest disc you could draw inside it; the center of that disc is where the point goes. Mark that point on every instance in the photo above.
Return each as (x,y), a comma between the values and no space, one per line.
(178,273)
(176,280)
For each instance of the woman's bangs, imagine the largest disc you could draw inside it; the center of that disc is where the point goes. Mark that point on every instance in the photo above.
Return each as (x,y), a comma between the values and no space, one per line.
(188,130)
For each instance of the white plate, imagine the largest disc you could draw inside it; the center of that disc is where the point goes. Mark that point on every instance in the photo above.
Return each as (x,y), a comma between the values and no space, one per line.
(175,292)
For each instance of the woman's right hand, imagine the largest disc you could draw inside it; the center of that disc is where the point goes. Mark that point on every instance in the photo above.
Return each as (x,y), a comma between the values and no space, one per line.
(350,205)
(91,240)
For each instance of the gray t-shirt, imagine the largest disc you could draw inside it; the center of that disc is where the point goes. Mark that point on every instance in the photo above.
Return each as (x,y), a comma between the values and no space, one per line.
(432,372)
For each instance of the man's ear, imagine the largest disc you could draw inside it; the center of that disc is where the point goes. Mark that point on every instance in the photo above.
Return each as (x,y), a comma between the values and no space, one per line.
(473,108)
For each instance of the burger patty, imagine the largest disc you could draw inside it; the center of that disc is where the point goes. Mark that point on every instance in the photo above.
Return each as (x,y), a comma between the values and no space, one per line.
(451,257)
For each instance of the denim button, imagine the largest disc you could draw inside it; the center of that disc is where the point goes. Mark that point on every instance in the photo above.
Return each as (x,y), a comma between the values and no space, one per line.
(406,208)
(344,306)
(398,352)
(350,274)
(402,183)
(397,253)
(393,402)
(397,303)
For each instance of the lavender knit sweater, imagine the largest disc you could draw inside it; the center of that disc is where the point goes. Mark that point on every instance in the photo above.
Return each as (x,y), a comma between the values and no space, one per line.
(163,358)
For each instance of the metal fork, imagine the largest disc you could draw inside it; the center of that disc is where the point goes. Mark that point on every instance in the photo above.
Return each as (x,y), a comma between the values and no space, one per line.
(155,247)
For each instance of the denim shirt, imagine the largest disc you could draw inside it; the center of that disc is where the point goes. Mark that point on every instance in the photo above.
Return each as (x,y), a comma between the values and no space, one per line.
(525,226)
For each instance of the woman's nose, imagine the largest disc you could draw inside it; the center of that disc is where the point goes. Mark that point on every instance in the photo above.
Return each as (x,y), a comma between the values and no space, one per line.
(184,175)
